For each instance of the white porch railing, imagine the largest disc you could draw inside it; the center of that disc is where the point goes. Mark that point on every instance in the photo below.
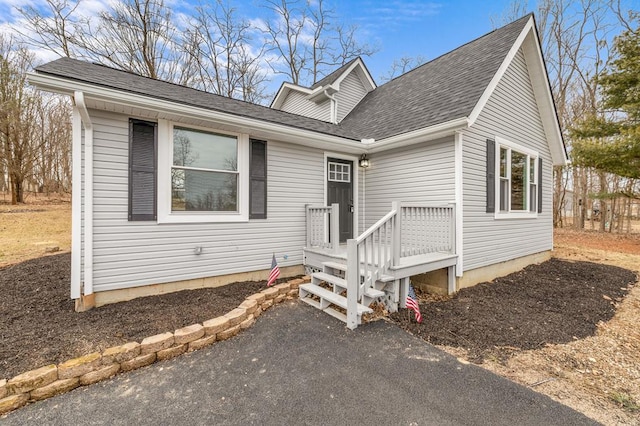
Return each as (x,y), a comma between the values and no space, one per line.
(323,227)
(407,230)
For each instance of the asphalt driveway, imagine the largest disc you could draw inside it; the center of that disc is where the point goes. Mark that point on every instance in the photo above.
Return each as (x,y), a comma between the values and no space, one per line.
(300,366)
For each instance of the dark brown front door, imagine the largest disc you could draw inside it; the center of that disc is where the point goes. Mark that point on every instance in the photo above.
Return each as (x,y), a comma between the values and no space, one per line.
(340,191)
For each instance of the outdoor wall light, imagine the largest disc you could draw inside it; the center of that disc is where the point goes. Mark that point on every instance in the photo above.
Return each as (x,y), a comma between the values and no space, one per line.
(197,250)
(364,161)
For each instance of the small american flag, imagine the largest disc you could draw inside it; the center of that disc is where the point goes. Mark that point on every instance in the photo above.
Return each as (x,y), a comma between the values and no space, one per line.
(275,272)
(412,303)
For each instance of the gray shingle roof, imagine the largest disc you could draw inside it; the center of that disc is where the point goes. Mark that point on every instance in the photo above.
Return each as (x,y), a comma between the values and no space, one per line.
(441,90)
(104,76)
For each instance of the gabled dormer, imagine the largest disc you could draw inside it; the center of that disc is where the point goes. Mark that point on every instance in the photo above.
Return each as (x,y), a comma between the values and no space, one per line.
(330,99)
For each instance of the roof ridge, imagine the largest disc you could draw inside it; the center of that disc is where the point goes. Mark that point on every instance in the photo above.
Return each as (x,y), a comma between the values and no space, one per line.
(504,27)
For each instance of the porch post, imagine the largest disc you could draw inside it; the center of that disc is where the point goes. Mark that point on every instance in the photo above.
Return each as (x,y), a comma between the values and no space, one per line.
(307,213)
(353,283)
(335,227)
(397,232)
(452,229)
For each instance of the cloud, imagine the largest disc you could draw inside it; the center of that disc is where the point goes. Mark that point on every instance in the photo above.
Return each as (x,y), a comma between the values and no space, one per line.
(398,11)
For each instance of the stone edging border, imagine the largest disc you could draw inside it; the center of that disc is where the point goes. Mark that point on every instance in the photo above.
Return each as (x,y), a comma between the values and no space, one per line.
(51,380)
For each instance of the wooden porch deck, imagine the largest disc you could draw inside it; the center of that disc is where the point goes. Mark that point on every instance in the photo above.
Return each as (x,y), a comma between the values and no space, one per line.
(407,267)
(411,239)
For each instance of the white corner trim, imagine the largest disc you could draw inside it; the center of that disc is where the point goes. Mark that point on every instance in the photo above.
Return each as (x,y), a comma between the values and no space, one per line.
(165,154)
(459,197)
(85,120)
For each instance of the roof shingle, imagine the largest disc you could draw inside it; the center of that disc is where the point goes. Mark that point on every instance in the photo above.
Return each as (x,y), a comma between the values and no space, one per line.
(441,90)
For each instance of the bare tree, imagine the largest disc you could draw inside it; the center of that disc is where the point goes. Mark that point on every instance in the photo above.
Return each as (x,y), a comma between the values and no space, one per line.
(403,65)
(18,113)
(53,26)
(307,43)
(220,45)
(52,169)
(138,36)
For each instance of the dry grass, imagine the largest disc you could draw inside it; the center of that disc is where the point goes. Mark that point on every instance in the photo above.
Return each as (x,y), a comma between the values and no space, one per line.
(600,375)
(35,228)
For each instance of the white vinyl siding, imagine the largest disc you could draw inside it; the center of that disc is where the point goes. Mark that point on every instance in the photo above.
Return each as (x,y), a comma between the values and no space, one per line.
(351,92)
(422,173)
(296,103)
(511,113)
(129,254)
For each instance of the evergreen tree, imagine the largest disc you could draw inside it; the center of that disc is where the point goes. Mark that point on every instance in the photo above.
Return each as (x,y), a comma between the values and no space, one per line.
(610,142)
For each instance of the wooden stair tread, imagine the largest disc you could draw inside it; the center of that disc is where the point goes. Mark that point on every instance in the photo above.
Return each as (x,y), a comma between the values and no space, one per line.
(342,283)
(331,297)
(335,265)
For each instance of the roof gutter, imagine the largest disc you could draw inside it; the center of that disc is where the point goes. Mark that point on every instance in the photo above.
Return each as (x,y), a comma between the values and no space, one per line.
(421,135)
(79,100)
(293,134)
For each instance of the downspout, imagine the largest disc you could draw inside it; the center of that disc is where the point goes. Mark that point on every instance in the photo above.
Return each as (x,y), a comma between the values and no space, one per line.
(76,206)
(334,106)
(88,192)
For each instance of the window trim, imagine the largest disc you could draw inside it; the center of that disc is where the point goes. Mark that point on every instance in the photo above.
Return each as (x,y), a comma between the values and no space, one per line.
(165,163)
(528,213)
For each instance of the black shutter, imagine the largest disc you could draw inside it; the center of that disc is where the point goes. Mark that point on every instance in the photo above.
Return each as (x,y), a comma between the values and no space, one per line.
(491,176)
(258,179)
(539,185)
(142,170)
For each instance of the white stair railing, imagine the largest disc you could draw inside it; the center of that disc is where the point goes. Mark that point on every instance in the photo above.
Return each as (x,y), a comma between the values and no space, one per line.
(323,227)
(409,229)
(427,229)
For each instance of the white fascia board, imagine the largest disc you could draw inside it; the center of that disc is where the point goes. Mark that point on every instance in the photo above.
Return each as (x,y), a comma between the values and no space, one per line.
(488,91)
(368,81)
(530,44)
(283,92)
(244,124)
(544,98)
(420,135)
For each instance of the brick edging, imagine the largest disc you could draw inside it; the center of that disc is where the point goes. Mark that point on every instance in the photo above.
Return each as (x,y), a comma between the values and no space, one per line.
(51,380)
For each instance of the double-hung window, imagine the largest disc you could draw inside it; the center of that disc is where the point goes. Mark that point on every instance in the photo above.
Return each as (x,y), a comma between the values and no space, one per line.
(204,171)
(518,179)
(203,174)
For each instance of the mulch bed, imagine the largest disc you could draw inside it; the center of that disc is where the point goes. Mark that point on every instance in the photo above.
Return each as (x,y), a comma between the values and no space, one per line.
(557,301)
(38,324)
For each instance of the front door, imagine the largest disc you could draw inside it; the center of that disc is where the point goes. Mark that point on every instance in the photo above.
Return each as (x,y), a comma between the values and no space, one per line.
(340,191)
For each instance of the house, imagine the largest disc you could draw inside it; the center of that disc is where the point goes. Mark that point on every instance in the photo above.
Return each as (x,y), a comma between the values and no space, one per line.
(445,168)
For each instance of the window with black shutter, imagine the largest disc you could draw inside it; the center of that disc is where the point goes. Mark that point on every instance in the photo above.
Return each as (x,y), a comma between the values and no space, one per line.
(258,179)
(142,170)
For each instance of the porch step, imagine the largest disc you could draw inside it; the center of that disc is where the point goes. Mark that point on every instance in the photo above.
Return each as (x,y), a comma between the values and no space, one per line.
(342,267)
(335,266)
(328,298)
(318,277)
